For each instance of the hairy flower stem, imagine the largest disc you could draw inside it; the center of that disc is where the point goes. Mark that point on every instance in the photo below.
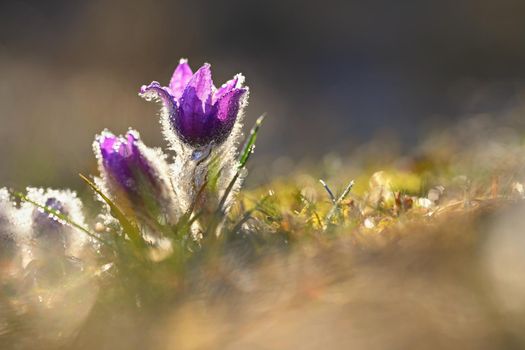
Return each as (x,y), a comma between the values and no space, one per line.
(199,158)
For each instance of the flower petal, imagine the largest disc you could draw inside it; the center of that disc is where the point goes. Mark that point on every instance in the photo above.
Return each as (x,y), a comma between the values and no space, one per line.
(194,106)
(137,159)
(155,91)
(223,116)
(199,88)
(227,106)
(189,117)
(106,143)
(236,82)
(181,77)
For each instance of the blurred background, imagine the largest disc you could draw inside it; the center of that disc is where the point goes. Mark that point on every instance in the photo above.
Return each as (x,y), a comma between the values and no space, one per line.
(330,75)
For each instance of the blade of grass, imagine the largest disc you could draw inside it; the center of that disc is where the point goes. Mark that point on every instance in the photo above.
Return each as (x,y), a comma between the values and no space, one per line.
(249,145)
(328,190)
(346,192)
(227,191)
(61,217)
(337,203)
(129,227)
(246,153)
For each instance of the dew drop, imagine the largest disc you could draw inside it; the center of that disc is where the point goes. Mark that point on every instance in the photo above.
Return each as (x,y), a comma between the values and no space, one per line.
(201,153)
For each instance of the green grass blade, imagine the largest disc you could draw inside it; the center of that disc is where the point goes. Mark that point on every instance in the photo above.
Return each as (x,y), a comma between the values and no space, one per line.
(247,150)
(337,203)
(345,192)
(228,190)
(128,226)
(328,190)
(249,145)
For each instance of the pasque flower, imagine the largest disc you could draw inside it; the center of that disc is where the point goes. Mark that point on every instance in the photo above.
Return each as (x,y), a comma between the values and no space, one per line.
(123,161)
(48,222)
(134,175)
(198,112)
(48,230)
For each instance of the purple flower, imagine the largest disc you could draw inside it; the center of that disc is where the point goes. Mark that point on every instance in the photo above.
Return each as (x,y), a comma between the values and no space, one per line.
(124,163)
(47,222)
(197,111)
(134,175)
(49,231)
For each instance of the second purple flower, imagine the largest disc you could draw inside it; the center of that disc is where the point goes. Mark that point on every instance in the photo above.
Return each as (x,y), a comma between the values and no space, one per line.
(135,176)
